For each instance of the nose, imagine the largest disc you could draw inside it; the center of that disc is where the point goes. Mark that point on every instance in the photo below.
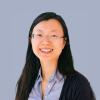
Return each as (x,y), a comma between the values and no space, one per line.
(46,40)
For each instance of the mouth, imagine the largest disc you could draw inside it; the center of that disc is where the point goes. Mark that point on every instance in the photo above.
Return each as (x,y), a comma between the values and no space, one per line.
(46,50)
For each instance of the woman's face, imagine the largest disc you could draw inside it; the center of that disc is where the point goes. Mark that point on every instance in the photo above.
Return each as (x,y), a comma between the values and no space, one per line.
(47,40)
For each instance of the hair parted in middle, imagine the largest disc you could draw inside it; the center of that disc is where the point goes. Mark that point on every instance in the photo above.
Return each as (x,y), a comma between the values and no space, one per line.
(32,64)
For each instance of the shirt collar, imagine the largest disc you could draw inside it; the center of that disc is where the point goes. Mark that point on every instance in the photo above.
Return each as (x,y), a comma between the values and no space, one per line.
(56,76)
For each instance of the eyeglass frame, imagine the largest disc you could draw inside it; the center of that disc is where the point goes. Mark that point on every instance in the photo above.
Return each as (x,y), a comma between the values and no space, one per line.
(51,37)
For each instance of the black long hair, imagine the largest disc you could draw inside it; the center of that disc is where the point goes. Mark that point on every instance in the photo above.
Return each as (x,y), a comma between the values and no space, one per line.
(30,71)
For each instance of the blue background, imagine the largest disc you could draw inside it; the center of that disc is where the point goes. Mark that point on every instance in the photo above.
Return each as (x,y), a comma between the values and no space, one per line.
(83,20)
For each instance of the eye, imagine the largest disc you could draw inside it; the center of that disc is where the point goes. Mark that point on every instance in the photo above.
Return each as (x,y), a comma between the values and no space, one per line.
(54,36)
(39,35)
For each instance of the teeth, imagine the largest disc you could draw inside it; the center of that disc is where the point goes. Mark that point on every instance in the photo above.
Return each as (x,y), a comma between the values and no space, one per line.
(46,50)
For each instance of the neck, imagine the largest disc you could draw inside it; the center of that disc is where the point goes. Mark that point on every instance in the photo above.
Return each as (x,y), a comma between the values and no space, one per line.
(48,68)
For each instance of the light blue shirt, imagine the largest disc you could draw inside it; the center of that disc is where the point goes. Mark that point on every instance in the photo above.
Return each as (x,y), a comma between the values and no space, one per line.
(53,89)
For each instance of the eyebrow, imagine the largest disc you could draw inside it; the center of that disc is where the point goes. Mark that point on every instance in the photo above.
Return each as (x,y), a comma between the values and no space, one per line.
(40,30)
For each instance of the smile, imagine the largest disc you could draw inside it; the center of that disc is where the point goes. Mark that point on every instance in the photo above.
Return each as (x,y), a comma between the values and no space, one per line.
(46,50)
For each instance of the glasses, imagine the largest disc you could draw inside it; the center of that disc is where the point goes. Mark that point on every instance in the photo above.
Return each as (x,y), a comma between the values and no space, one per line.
(50,37)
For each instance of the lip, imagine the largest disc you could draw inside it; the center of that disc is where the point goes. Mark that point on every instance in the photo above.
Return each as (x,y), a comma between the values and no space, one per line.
(46,50)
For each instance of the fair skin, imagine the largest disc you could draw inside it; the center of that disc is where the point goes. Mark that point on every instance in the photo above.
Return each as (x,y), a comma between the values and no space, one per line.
(46,49)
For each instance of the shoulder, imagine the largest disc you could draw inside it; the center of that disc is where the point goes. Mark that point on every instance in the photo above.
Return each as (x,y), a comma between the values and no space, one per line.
(77,86)
(76,78)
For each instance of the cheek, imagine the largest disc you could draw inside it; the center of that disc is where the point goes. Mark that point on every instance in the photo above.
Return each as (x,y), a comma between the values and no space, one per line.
(34,47)
(59,48)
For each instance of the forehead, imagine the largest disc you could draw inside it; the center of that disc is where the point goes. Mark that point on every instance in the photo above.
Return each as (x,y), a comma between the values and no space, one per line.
(51,25)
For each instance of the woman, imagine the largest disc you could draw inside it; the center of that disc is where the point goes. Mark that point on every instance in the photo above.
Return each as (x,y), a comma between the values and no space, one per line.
(49,72)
